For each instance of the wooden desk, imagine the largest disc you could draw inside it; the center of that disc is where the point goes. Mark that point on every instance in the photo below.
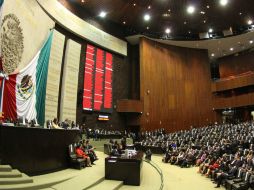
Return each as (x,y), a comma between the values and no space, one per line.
(36,151)
(128,170)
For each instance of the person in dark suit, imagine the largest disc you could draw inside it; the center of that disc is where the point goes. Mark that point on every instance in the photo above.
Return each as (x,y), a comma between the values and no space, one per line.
(232,171)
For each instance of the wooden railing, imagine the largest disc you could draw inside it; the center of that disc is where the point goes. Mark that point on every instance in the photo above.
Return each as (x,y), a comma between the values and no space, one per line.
(233,82)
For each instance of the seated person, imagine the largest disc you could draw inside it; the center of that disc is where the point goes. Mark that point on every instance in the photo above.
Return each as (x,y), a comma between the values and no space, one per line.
(90,149)
(81,154)
(55,124)
(114,151)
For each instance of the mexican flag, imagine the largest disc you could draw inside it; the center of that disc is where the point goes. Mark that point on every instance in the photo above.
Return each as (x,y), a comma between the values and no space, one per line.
(25,92)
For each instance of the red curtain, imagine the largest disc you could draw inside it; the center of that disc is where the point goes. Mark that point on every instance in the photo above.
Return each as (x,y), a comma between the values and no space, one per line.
(9,98)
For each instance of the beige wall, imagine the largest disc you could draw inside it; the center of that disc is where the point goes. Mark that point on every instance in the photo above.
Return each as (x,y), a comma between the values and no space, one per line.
(70,81)
(54,73)
(34,22)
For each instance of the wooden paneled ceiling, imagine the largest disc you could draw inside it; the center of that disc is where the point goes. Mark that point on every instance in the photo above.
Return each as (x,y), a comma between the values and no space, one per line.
(172,14)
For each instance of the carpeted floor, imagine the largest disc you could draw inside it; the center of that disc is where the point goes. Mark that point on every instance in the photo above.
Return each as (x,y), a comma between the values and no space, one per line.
(175,178)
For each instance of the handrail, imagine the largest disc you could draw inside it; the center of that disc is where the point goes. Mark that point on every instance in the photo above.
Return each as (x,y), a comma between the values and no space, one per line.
(158,170)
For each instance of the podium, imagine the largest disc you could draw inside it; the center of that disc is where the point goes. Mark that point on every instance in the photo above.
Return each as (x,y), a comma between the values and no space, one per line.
(128,170)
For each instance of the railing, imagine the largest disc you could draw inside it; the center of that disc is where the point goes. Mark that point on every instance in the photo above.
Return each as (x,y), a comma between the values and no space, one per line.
(158,170)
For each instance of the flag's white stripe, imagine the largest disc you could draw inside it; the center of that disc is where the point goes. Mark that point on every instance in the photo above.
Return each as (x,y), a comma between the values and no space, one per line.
(25,103)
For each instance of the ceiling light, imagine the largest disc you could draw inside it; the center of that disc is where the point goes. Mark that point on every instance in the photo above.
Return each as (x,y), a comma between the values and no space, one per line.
(204,21)
(102,14)
(190,9)
(240,13)
(185,22)
(223,2)
(207,6)
(212,54)
(147,17)
(168,30)
(202,12)
(134,4)
(149,7)
(166,15)
(169,10)
(251,41)
(147,27)
(210,30)
(231,49)
(249,22)
(124,22)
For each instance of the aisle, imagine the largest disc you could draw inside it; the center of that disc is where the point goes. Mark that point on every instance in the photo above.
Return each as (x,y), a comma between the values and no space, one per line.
(176,178)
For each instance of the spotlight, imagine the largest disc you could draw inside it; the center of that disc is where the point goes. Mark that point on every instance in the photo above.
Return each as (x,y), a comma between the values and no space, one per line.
(249,22)
(147,17)
(190,9)
(168,31)
(102,14)
(223,2)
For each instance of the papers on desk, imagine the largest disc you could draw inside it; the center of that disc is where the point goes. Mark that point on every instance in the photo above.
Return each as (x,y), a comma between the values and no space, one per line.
(112,161)
(8,124)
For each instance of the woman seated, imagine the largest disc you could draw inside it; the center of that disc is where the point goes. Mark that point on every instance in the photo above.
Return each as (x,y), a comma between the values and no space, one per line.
(81,154)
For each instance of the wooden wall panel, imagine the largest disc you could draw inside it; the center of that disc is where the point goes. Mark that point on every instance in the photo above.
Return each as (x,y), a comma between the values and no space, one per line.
(175,87)
(235,65)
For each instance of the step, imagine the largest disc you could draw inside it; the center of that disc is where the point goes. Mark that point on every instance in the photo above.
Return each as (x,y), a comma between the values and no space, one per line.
(12,174)
(18,180)
(5,168)
(108,184)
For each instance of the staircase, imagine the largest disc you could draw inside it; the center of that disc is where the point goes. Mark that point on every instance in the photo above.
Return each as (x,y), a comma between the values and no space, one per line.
(10,177)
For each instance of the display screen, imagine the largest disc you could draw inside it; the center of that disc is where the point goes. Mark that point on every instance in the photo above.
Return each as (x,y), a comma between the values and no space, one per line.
(98,75)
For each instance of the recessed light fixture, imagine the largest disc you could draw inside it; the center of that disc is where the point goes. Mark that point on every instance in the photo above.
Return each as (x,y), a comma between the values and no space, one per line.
(134,4)
(149,7)
(167,31)
(169,10)
(231,49)
(82,1)
(251,41)
(207,6)
(147,27)
(249,22)
(124,22)
(185,22)
(190,9)
(210,30)
(223,2)
(166,15)
(240,13)
(147,17)
(102,14)
(202,12)
(212,54)
(204,21)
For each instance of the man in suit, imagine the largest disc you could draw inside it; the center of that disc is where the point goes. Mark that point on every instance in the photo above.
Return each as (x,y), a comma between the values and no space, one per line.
(232,172)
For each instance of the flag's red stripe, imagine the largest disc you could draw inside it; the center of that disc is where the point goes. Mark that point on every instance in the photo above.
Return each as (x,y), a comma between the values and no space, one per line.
(9,98)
